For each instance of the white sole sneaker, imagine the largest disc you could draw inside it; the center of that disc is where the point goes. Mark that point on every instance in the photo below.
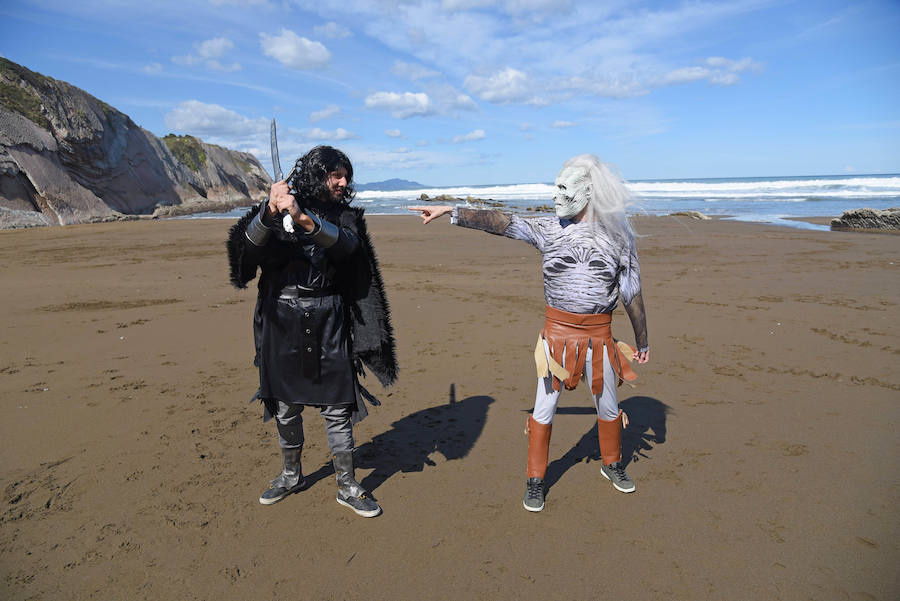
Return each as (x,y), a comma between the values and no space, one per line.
(366,514)
(273,500)
(616,486)
(532,508)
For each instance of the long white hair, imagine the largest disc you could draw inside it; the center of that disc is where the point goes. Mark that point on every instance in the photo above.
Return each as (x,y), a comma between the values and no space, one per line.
(609,197)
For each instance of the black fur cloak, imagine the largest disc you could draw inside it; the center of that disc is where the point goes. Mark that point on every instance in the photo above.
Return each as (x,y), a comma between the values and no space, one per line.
(360,284)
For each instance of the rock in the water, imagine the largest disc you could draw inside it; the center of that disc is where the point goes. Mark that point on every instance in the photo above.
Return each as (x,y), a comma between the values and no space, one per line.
(691,214)
(868,219)
(67,157)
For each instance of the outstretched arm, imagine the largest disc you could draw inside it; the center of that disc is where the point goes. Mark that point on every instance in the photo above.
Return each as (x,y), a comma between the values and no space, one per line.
(432,213)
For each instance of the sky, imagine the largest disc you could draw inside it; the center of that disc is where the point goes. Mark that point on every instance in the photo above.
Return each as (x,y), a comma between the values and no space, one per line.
(469,92)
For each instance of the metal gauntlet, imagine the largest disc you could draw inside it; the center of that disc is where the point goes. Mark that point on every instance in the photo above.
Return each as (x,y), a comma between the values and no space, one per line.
(257,233)
(324,233)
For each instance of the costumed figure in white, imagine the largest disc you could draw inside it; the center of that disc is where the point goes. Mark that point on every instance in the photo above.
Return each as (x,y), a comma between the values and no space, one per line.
(589,262)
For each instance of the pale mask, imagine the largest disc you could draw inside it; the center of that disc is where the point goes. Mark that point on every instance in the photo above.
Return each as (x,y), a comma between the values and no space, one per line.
(573,190)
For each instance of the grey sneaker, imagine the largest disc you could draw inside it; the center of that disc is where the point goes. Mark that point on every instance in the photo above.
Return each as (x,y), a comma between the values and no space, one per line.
(279,489)
(363,505)
(534,494)
(615,473)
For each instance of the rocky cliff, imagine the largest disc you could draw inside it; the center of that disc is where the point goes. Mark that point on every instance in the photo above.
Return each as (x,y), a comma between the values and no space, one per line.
(67,157)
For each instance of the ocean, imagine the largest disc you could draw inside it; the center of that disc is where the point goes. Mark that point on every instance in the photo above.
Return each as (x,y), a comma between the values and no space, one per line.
(774,200)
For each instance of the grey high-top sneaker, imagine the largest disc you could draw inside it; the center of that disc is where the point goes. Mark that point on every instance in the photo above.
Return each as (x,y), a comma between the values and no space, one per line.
(615,473)
(534,494)
(350,493)
(289,481)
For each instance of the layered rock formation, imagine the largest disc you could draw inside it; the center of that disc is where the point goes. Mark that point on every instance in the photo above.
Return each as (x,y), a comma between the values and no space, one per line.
(67,157)
(868,219)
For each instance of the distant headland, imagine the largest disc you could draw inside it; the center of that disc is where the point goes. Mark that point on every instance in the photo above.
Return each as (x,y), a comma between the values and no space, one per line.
(390,185)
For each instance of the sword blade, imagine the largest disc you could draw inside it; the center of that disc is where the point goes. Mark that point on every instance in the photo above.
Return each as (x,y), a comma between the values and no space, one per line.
(287,221)
(276,162)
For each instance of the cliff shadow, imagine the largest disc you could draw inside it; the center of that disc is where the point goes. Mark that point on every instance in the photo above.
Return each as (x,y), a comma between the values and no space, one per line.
(646,428)
(451,429)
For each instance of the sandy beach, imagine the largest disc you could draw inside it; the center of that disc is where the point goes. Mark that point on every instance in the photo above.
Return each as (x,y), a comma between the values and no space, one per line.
(763,437)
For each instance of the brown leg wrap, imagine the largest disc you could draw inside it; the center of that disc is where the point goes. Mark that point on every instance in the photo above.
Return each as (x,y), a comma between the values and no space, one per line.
(538,448)
(610,436)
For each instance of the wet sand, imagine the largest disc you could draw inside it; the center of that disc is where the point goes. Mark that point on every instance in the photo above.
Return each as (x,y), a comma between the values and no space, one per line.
(763,437)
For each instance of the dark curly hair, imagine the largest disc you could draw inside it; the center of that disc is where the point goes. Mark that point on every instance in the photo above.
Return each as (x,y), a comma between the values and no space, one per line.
(311,172)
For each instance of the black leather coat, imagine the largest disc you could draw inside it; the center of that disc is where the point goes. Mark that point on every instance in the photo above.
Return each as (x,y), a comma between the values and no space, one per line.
(321,314)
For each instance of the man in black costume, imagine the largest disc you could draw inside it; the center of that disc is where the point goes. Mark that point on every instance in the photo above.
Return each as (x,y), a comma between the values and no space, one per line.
(321,314)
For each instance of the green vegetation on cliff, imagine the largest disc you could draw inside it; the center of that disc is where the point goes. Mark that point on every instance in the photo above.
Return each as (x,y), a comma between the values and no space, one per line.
(19,99)
(186,149)
(245,166)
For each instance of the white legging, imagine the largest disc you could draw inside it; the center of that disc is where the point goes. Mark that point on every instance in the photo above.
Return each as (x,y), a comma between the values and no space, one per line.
(606,403)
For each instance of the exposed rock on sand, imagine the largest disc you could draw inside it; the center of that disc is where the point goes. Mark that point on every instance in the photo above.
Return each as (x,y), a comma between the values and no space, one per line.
(868,219)
(67,157)
(691,214)
(472,200)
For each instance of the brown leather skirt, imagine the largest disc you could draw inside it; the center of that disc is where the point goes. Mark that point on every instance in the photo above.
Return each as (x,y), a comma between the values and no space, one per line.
(568,336)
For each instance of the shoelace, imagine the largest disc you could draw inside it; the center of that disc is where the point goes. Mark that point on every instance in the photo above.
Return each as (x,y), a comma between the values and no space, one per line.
(534,489)
(619,471)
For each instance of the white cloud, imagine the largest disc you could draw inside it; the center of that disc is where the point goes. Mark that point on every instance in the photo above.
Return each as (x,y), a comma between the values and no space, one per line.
(724,79)
(217,66)
(472,136)
(513,7)
(507,86)
(563,124)
(734,66)
(185,60)
(153,68)
(332,30)
(294,51)
(402,106)
(614,49)
(208,53)
(412,71)
(684,75)
(201,119)
(394,133)
(619,87)
(555,6)
(718,70)
(214,48)
(447,98)
(321,135)
(326,113)
(397,159)
(454,5)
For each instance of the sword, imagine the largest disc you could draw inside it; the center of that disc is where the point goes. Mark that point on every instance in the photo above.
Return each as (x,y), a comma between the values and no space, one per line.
(286,219)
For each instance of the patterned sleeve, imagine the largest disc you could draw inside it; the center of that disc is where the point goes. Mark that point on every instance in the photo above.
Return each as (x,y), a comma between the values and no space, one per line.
(629,273)
(532,230)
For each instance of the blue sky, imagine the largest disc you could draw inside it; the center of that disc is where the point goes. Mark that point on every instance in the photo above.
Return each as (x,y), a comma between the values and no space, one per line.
(449,92)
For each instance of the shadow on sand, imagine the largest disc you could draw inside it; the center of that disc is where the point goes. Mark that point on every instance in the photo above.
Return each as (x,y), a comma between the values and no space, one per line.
(451,429)
(646,427)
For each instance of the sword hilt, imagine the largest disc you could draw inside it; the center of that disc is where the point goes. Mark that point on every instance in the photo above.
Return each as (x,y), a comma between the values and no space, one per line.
(287,222)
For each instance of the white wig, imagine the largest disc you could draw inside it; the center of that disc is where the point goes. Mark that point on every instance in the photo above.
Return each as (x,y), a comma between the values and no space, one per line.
(609,199)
